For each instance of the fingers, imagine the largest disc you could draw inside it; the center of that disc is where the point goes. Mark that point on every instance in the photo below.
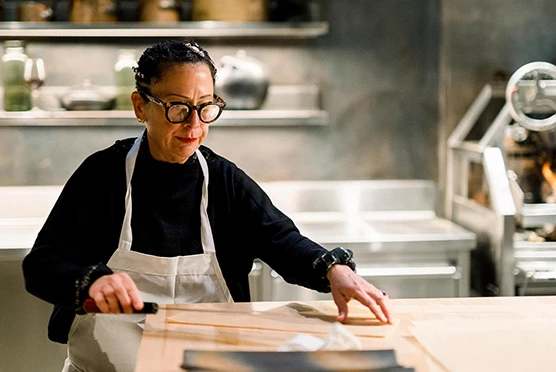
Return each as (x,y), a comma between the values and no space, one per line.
(384,303)
(345,285)
(116,293)
(378,302)
(342,306)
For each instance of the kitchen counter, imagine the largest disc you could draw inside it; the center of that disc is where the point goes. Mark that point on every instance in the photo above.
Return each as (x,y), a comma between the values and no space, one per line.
(17,236)
(485,334)
(398,240)
(322,210)
(23,211)
(401,231)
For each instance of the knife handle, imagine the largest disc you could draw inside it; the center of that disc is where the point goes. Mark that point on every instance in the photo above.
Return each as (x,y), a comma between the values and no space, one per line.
(148,307)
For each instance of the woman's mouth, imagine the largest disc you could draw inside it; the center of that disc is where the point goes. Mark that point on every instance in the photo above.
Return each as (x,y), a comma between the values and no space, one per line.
(187,139)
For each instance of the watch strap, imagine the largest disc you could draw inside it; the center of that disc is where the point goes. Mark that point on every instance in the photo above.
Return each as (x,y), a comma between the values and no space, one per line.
(339,255)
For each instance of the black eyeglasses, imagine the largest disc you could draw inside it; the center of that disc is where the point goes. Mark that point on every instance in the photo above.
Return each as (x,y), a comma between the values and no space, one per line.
(179,112)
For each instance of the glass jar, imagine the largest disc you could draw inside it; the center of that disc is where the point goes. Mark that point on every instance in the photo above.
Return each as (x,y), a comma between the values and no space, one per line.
(17,95)
(125,78)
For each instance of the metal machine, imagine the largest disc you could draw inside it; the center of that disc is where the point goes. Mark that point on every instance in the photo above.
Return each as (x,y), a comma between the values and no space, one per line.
(502,186)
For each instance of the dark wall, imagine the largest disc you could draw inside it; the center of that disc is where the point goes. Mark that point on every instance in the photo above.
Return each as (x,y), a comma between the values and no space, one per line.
(382,57)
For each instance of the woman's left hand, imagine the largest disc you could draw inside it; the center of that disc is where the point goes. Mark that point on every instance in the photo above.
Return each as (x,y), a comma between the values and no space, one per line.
(346,285)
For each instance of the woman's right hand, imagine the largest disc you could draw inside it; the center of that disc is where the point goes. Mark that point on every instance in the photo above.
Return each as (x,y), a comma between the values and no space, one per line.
(115,294)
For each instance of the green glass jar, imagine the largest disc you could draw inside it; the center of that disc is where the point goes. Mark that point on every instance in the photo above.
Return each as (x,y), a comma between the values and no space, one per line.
(125,78)
(17,95)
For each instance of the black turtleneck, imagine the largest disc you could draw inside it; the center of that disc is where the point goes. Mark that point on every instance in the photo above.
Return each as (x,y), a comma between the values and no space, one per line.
(166,221)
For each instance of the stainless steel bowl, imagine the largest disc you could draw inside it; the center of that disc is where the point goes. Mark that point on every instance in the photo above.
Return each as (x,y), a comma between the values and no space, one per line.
(87,97)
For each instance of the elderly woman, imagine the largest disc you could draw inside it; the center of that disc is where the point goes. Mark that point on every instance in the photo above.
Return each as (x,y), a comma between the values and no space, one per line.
(162,218)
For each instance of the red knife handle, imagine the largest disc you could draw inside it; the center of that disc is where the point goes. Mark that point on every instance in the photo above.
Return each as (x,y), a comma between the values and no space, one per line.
(148,307)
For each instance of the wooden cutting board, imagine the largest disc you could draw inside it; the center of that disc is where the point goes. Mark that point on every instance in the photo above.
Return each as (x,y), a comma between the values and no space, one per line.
(293,317)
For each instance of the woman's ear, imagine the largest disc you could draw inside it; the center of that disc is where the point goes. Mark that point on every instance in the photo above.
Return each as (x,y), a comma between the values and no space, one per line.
(138,106)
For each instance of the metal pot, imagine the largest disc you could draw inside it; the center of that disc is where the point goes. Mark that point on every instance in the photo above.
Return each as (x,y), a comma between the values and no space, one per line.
(87,97)
(242,82)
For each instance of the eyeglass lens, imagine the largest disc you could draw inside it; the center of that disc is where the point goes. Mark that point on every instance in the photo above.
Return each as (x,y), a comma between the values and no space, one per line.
(180,113)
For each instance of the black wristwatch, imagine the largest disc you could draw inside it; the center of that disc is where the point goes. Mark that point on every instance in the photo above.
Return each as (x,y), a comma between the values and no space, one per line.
(338,255)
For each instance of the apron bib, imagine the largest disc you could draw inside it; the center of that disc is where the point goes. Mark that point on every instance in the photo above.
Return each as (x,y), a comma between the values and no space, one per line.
(110,342)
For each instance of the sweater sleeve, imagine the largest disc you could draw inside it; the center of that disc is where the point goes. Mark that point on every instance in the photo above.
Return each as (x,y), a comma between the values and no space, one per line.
(274,237)
(73,246)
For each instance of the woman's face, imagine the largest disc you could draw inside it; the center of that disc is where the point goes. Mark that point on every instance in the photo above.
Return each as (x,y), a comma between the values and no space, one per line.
(175,143)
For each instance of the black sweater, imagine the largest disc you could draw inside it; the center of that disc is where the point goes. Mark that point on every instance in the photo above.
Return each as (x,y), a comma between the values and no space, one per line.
(83,229)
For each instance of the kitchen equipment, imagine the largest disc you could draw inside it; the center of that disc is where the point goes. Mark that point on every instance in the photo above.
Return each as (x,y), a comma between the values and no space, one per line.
(242,82)
(31,11)
(91,11)
(159,11)
(229,10)
(87,97)
(516,254)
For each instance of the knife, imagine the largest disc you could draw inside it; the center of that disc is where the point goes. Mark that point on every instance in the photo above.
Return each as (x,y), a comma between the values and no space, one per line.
(148,307)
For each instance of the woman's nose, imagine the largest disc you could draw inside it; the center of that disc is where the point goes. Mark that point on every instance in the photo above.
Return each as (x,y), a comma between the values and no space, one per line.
(193,121)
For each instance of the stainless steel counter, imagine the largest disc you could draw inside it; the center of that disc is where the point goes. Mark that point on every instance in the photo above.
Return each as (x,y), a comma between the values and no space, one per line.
(17,237)
(399,243)
(401,233)
(23,210)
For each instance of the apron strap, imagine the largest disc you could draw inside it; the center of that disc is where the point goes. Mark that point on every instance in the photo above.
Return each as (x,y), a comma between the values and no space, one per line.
(130,160)
(207,240)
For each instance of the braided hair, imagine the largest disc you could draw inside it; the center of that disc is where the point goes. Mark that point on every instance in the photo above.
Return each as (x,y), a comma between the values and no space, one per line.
(157,58)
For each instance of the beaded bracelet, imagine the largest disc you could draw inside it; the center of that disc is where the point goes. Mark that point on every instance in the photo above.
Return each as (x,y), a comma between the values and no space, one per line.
(82,285)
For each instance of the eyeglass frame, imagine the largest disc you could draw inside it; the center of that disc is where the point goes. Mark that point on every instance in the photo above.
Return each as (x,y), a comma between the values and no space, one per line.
(167,105)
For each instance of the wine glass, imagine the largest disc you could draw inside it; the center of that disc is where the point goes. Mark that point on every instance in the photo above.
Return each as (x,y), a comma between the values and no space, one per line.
(34,75)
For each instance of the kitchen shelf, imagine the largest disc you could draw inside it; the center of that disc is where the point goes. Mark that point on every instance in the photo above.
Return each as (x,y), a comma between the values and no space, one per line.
(201,29)
(229,118)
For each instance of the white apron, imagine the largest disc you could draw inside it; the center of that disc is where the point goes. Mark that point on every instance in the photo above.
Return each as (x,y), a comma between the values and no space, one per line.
(109,342)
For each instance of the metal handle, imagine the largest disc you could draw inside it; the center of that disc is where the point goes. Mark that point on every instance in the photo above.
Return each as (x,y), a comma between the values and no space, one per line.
(453,272)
